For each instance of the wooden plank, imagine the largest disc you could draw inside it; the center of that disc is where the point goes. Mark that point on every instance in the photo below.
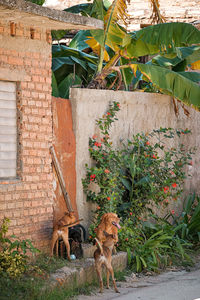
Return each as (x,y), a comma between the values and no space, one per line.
(8,129)
(8,155)
(4,173)
(7,113)
(7,138)
(8,164)
(4,147)
(7,86)
(7,96)
(8,104)
(7,121)
(61,179)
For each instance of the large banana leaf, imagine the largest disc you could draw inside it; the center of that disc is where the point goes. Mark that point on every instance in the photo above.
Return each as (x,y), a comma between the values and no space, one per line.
(78,42)
(187,54)
(65,85)
(162,38)
(85,9)
(171,83)
(63,51)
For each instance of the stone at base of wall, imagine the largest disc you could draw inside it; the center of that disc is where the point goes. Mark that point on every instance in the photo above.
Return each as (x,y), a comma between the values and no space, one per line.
(82,271)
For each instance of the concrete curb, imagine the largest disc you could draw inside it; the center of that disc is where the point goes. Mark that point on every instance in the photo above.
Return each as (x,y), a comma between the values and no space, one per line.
(83,271)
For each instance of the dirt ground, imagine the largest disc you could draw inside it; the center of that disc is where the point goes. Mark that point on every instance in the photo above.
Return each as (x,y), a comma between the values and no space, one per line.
(176,283)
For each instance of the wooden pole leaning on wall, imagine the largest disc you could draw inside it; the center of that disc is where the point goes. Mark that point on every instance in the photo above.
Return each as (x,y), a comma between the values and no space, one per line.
(61,179)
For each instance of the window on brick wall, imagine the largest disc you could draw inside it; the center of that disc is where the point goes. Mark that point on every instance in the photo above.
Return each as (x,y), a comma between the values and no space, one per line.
(8,130)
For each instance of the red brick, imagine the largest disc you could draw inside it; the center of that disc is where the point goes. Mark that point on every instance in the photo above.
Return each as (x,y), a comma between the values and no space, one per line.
(15,61)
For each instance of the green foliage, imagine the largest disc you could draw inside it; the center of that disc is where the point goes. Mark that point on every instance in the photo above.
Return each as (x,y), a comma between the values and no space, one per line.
(188,223)
(13,258)
(38,2)
(174,47)
(145,171)
(71,67)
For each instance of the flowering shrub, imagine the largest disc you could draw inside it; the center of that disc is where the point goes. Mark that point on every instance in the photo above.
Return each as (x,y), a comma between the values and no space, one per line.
(143,173)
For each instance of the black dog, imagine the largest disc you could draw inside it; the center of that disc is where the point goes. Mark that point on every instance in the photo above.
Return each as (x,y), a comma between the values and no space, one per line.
(77,235)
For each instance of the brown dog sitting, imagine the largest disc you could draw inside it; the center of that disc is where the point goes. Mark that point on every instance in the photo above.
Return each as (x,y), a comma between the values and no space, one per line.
(110,224)
(103,256)
(61,230)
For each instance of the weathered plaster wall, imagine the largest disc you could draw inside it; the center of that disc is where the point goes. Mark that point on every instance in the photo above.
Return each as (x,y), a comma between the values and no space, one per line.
(25,58)
(139,112)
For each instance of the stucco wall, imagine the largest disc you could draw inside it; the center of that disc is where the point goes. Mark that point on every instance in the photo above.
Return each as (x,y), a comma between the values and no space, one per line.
(139,112)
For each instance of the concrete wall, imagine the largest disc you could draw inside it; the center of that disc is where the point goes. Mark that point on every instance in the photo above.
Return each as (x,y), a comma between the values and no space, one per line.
(139,112)
(25,58)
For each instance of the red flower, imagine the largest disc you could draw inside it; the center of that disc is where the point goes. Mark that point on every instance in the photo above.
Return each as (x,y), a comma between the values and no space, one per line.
(106,171)
(98,207)
(154,156)
(166,189)
(118,104)
(174,184)
(126,239)
(94,137)
(108,198)
(172,211)
(130,213)
(92,177)
(108,113)
(147,143)
(97,144)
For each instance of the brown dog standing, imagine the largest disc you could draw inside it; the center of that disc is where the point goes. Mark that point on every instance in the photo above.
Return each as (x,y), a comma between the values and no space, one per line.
(103,256)
(110,224)
(61,230)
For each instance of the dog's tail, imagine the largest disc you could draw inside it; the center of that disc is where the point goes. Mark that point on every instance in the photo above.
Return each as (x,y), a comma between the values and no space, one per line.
(99,246)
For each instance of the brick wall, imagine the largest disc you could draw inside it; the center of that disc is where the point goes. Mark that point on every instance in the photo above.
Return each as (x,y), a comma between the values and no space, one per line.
(25,58)
(173,11)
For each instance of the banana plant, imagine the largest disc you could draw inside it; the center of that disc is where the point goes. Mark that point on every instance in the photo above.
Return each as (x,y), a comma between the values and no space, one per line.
(175,47)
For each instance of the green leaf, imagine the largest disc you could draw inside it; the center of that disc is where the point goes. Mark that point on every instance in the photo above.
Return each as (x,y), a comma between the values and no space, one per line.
(54,85)
(65,85)
(162,38)
(126,183)
(129,255)
(78,42)
(173,83)
(194,76)
(84,9)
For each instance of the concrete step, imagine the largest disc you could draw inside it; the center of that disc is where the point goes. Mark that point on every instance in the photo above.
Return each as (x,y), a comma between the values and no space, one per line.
(88,250)
(81,271)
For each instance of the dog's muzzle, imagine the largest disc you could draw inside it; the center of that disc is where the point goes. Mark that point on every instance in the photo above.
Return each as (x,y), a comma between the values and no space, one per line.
(116,224)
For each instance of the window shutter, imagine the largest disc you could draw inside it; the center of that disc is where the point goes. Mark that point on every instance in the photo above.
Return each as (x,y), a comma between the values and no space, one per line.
(8,130)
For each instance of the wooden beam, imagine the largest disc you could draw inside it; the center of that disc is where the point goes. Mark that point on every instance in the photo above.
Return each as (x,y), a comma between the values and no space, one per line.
(61,179)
